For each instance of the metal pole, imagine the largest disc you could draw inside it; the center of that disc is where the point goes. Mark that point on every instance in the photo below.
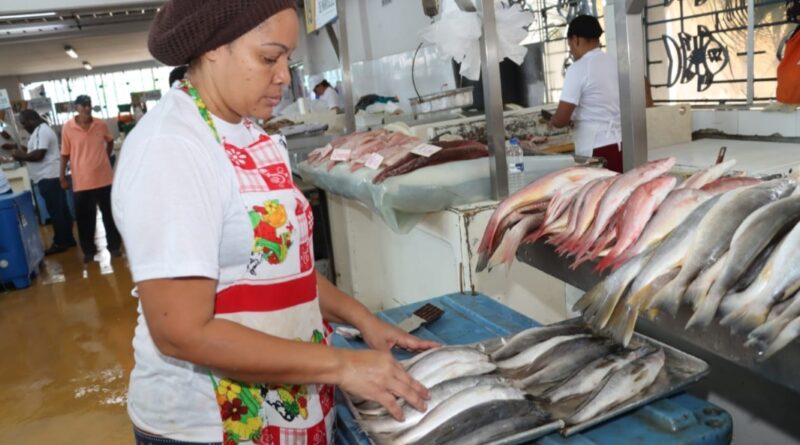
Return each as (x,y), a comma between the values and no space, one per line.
(630,64)
(347,77)
(493,103)
(751,48)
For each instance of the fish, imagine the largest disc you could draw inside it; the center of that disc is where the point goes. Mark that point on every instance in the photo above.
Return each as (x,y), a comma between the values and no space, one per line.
(569,360)
(487,422)
(454,370)
(786,336)
(620,386)
(671,213)
(511,240)
(669,253)
(768,332)
(707,175)
(754,234)
(616,195)
(440,357)
(727,184)
(459,403)
(532,353)
(574,211)
(543,188)
(781,276)
(562,202)
(702,284)
(750,274)
(641,205)
(587,213)
(593,374)
(713,237)
(524,339)
(438,394)
(440,157)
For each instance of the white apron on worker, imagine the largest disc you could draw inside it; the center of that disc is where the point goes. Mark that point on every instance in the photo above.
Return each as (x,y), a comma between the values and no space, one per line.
(589,135)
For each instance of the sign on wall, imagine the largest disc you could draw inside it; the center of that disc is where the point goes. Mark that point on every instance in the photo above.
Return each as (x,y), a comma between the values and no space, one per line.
(319,13)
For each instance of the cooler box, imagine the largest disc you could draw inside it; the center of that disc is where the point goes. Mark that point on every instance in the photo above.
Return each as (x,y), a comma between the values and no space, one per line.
(21,248)
(679,419)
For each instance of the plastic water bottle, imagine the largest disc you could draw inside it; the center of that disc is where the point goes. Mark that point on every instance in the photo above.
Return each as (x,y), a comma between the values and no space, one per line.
(516,165)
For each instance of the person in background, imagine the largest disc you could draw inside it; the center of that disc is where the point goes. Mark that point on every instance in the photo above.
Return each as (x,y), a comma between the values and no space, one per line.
(326,93)
(42,157)
(86,143)
(232,341)
(590,96)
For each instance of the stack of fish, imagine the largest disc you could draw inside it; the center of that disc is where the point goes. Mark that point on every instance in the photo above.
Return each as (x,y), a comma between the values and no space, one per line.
(724,245)
(392,153)
(468,405)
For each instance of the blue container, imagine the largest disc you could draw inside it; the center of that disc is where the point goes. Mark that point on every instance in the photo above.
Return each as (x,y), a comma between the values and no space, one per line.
(681,419)
(21,248)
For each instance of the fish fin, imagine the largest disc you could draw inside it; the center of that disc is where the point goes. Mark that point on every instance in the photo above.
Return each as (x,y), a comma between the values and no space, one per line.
(617,322)
(587,299)
(789,333)
(605,263)
(705,312)
(766,333)
(668,299)
(746,319)
(483,261)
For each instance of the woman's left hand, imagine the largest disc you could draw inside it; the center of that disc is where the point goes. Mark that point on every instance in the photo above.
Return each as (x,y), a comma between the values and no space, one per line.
(383,336)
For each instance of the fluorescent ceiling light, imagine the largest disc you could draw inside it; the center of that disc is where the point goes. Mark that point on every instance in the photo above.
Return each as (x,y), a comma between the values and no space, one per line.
(87,66)
(27,16)
(70,52)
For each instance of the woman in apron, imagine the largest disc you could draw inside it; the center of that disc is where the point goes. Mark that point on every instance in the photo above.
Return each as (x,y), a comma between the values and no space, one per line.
(231,341)
(590,96)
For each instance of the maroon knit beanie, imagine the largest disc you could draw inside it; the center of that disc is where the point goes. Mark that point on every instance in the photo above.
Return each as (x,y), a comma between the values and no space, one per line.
(186,29)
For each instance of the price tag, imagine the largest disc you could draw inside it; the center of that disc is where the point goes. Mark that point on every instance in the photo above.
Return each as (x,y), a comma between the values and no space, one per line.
(374,161)
(426,150)
(327,150)
(340,154)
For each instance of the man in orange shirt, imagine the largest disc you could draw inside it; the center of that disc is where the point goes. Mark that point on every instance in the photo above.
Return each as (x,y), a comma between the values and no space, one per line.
(86,144)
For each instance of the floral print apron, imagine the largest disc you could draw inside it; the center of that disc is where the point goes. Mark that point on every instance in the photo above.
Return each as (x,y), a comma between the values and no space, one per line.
(277,295)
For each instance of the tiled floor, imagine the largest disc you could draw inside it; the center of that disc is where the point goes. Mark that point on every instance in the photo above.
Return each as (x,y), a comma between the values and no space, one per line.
(65,344)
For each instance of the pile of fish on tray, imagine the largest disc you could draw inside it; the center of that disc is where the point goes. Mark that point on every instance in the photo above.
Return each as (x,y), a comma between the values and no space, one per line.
(392,153)
(726,246)
(479,397)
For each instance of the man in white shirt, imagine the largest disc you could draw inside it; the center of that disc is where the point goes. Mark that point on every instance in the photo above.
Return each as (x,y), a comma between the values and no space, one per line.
(326,93)
(590,96)
(42,156)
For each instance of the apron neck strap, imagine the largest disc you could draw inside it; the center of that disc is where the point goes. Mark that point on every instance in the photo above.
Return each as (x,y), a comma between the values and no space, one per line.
(187,87)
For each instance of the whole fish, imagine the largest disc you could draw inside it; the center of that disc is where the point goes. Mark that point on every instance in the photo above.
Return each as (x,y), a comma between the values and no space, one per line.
(543,188)
(669,253)
(781,275)
(675,208)
(532,353)
(562,201)
(727,184)
(616,195)
(487,422)
(593,374)
(456,369)
(507,249)
(707,175)
(702,284)
(623,384)
(438,394)
(641,205)
(623,320)
(575,210)
(524,339)
(713,238)
(768,332)
(569,360)
(459,403)
(754,234)
(534,208)
(433,362)
(587,213)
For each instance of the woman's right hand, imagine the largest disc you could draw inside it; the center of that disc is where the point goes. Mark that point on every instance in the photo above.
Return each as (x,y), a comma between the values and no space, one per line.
(64,183)
(376,375)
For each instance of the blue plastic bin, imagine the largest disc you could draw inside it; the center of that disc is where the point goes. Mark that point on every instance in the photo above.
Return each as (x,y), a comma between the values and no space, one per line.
(680,419)
(21,248)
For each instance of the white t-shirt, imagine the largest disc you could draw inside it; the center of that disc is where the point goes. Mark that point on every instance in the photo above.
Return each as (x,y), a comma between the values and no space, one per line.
(331,98)
(44,138)
(591,83)
(172,180)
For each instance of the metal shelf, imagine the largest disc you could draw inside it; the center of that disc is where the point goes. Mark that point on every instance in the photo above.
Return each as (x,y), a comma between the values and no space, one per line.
(714,341)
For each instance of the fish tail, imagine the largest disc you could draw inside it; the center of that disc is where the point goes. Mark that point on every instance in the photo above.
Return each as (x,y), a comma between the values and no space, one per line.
(668,299)
(587,299)
(768,332)
(630,325)
(705,312)
(483,261)
(606,262)
(788,334)
(746,319)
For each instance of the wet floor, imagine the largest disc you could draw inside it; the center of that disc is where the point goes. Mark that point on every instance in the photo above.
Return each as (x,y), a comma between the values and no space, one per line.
(66,351)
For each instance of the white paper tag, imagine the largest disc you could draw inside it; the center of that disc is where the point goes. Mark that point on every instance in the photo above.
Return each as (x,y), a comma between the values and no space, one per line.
(426,150)
(374,161)
(340,154)
(327,150)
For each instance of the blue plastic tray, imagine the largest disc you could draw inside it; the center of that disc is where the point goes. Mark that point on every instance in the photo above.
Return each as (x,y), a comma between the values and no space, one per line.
(680,419)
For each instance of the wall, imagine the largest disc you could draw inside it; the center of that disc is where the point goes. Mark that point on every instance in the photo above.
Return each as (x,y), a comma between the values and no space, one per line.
(14,7)
(11,84)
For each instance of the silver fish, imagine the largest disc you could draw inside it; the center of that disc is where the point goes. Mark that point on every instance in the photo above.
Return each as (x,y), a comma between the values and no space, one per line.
(592,375)
(786,336)
(459,403)
(532,353)
(524,339)
(439,394)
(752,272)
(701,285)
(766,334)
(569,360)
(456,369)
(440,357)
(712,238)
(620,386)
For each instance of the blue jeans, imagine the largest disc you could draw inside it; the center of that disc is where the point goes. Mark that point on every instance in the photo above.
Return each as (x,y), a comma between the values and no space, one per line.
(145,438)
(55,199)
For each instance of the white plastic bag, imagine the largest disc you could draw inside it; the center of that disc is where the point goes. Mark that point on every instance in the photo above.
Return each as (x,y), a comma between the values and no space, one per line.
(512,29)
(457,35)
